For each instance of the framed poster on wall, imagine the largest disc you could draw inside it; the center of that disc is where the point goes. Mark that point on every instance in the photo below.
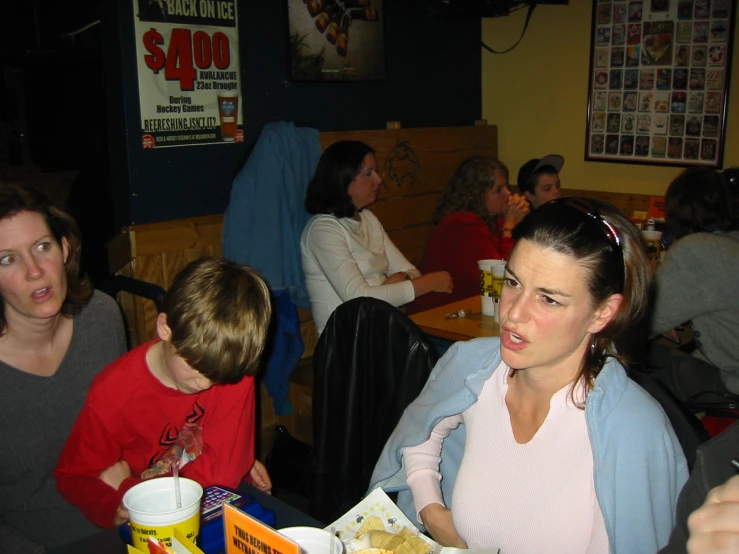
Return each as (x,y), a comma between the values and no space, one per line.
(659,81)
(336,40)
(187,57)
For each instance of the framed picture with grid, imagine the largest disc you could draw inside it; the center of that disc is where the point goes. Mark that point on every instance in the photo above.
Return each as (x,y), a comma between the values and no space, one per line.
(659,81)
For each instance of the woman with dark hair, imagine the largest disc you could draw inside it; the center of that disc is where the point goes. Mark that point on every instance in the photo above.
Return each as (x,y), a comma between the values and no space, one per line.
(560,450)
(56,334)
(345,251)
(474,221)
(697,282)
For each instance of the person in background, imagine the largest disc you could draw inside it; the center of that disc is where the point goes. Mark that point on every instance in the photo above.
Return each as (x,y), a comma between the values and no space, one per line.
(538,179)
(538,441)
(696,282)
(185,398)
(713,470)
(474,221)
(56,334)
(345,251)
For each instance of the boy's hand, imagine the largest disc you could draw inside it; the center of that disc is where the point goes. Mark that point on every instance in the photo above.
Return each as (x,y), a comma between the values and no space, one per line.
(260,477)
(121,516)
(116,474)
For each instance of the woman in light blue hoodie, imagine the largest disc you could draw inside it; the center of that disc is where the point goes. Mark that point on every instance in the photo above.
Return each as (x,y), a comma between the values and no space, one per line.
(539,441)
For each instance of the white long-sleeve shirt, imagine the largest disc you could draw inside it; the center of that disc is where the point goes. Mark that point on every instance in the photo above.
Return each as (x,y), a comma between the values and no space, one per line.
(521,498)
(344,258)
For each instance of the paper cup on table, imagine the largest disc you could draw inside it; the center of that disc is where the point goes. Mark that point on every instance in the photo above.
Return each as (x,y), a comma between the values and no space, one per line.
(498,270)
(152,509)
(486,286)
(652,244)
(313,540)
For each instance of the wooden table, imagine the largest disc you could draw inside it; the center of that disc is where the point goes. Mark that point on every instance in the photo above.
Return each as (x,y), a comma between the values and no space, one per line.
(474,325)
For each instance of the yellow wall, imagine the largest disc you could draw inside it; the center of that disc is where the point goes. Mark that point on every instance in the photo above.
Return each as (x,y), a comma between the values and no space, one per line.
(537,96)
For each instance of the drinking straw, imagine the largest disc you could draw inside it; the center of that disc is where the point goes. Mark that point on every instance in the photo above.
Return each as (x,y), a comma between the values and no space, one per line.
(176,474)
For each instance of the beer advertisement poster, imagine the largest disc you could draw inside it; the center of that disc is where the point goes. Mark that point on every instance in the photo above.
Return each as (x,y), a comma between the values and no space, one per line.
(336,40)
(187,54)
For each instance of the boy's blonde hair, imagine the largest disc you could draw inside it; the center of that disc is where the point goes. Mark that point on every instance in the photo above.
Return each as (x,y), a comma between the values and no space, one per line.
(219,314)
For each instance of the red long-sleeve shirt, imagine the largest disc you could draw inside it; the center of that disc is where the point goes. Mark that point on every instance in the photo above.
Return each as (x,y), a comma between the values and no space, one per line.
(130,415)
(457,242)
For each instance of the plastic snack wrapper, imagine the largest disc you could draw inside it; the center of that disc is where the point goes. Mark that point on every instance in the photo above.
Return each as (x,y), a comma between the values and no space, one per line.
(187,447)
(377,526)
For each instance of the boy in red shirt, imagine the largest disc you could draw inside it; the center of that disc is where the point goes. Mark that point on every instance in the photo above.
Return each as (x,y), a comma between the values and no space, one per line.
(186,397)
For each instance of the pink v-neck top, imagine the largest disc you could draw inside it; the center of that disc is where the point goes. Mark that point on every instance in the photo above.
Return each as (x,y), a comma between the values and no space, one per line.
(521,498)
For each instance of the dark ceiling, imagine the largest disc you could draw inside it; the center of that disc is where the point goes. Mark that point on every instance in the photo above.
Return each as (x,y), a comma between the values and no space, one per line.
(34,26)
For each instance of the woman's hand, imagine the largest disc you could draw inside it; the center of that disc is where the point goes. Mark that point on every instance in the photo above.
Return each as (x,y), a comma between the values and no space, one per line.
(398,277)
(438,522)
(116,474)
(260,478)
(714,527)
(518,208)
(436,281)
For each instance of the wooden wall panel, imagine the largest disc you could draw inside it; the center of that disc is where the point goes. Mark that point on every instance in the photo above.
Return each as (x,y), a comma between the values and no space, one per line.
(421,160)
(192,254)
(411,241)
(627,202)
(172,263)
(408,211)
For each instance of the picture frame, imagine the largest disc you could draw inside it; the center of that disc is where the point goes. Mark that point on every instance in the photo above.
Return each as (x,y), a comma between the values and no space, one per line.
(336,40)
(659,81)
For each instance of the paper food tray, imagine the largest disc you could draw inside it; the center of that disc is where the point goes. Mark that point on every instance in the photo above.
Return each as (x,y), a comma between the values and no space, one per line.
(377,503)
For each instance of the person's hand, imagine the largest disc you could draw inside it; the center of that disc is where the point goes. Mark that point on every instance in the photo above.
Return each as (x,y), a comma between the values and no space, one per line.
(436,281)
(714,527)
(398,277)
(121,516)
(441,281)
(518,208)
(438,522)
(116,474)
(260,478)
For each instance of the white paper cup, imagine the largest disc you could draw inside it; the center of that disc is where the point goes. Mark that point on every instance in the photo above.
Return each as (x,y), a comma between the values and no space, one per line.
(498,275)
(487,305)
(152,508)
(313,540)
(487,285)
(486,277)
(652,243)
